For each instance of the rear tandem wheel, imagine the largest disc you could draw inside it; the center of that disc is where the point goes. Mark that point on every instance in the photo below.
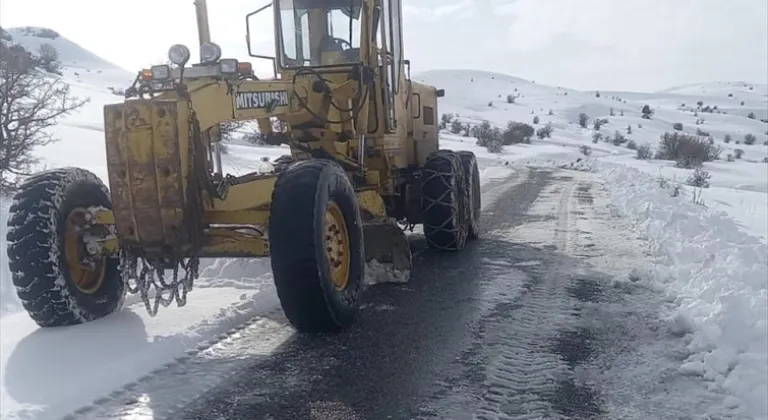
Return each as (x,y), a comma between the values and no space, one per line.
(444,201)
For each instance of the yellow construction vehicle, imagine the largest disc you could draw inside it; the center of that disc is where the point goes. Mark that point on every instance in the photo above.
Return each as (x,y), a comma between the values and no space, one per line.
(364,166)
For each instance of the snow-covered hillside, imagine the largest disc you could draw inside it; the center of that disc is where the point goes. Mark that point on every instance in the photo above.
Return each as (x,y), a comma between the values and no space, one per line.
(709,258)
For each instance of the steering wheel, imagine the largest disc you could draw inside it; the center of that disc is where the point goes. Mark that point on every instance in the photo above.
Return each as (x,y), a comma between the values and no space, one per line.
(340,42)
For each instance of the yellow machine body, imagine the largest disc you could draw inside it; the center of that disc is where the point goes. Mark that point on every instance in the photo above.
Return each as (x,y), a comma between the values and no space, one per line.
(358,108)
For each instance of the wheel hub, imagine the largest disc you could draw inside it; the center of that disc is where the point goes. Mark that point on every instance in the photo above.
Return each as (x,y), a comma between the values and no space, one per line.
(86,267)
(337,248)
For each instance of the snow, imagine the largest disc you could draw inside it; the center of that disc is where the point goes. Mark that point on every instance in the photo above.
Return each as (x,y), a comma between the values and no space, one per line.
(716,274)
(708,259)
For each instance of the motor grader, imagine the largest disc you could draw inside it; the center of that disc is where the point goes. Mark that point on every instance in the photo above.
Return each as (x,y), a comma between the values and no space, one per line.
(364,166)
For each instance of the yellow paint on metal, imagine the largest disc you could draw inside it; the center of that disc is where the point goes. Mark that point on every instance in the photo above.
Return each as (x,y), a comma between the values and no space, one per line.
(371,204)
(87,279)
(221,242)
(337,248)
(256,194)
(372,177)
(237,217)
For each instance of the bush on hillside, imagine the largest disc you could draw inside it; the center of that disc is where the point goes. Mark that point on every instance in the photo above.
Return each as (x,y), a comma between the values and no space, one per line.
(647,112)
(456,126)
(544,132)
(517,132)
(644,152)
(482,132)
(699,178)
(585,150)
(49,58)
(738,153)
(488,136)
(598,123)
(618,139)
(677,126)
(686,150)
(583,119)
(445,119)
(727,138)
(631,145)
(751,116)
(536,120)
(749,139)
(40,32)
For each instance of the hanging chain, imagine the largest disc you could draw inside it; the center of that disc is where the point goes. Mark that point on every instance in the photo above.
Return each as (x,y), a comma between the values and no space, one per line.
(147,276)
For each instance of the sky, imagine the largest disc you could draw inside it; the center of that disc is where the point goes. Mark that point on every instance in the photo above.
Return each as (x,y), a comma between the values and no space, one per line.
(633,45)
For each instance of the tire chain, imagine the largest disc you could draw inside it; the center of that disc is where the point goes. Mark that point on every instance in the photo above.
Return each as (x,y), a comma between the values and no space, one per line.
(151,277)
(442,200)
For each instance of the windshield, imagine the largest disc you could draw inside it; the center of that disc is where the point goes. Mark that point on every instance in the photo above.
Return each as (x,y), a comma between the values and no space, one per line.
(319,32)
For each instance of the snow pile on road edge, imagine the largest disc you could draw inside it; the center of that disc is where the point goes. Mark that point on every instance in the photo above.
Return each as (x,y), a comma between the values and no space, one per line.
(718,275)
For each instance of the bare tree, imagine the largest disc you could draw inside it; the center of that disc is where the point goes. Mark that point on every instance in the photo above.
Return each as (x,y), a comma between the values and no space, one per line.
(48,58)
(31,102)
(230,129)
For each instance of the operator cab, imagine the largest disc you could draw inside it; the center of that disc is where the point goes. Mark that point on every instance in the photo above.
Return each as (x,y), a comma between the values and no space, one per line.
(327,33)
(318,32)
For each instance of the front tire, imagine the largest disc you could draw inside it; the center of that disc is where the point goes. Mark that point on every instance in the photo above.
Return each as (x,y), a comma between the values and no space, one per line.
(474,205)
(443,201)
(54,291)
(316,246)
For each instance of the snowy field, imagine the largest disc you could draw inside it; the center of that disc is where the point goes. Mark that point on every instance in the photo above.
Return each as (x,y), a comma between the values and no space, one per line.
(709,256)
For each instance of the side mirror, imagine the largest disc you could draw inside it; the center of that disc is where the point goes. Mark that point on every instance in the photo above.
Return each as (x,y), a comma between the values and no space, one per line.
(440,93)
(375,24)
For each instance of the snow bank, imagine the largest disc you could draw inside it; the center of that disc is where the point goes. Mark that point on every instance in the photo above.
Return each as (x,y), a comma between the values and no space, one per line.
(717,276)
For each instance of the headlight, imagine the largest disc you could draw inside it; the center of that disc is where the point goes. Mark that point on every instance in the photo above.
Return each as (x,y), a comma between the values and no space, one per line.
(162,72)
(228,66)
(178,54)
(209,53)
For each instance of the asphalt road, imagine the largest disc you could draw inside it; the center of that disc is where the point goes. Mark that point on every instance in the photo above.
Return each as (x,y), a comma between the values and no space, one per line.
(442,346)
(538,319)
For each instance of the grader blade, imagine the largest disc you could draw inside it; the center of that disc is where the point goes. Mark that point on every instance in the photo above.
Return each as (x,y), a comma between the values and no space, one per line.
(387,253)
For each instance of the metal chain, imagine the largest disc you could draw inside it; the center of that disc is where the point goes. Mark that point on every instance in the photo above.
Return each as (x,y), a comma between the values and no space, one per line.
(150,281)
(448,179)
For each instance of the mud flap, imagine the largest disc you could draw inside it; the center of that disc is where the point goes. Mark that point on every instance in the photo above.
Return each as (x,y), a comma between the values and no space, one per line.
(388,257)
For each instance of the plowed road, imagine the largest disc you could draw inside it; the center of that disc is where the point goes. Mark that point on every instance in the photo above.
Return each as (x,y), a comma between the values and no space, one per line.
(525,323)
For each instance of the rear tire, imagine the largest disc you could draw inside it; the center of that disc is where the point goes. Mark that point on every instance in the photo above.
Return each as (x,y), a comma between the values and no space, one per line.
(310,294)
(443,201)
(36,249)
(474,205)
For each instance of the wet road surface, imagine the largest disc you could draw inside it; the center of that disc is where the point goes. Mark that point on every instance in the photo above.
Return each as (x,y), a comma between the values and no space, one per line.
(509,328)
(472,333)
